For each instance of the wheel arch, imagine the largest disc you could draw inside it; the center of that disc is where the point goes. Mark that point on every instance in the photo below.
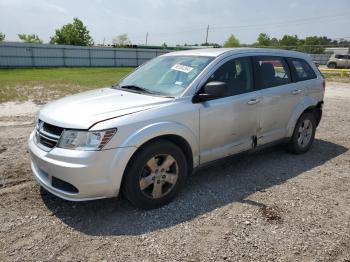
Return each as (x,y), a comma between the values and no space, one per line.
(176,139)
(174,132)
(308,104)
(332,63)
(316,110)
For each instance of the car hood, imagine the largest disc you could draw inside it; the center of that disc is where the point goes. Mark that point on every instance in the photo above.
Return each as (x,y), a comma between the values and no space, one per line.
(83,110)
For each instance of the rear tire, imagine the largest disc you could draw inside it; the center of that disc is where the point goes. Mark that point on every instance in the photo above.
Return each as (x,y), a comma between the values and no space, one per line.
(155,175)
(303,135)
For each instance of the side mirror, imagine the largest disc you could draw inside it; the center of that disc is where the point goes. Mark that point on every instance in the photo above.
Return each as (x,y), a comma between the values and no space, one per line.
(212,90)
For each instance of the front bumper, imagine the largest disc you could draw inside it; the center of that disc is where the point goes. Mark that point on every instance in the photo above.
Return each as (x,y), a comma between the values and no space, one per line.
(93,174)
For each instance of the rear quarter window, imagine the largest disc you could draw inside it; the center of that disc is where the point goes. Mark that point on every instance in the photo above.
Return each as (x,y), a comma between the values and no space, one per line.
(301,70)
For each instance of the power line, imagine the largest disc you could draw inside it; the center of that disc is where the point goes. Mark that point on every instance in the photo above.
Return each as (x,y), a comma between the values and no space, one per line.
(287,21)
(274,25)
(172,33)
(299,21)
(345,37)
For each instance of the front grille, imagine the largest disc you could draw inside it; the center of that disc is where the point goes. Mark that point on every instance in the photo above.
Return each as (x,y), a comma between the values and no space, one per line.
(47,134)
(55,130)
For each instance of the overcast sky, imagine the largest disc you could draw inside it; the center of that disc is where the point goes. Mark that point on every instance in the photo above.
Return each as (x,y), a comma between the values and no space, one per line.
(178,22)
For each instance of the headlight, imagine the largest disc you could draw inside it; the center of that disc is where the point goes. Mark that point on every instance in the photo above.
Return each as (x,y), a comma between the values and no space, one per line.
(85,140)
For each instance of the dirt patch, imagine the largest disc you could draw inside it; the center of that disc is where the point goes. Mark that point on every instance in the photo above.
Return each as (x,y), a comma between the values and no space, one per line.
(271,213)
(338,90)
(14,109)
(266,206)
(16,123)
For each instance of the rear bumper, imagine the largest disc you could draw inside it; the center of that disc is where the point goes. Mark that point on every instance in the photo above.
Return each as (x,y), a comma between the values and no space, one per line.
(85,175)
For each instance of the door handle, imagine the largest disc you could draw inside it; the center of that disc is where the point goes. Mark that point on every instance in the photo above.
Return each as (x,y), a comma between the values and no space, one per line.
(253,101)
(296,92)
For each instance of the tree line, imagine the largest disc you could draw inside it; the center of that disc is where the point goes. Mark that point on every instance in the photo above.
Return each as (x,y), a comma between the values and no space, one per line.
(310,44)
(76,33)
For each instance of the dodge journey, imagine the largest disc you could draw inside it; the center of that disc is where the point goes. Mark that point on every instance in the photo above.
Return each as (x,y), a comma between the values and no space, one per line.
(144,135)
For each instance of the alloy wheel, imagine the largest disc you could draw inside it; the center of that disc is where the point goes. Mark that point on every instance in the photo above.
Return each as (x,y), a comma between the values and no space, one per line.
(159,176)
(305,133)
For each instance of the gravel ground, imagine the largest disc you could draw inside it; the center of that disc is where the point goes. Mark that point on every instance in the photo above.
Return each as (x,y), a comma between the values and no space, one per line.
(265,206)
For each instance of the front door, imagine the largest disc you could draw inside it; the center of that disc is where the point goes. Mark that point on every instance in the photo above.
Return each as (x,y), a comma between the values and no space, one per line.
(228,124)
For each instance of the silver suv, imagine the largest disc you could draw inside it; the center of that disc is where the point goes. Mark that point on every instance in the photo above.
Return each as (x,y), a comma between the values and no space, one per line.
(144,135)
(339,61)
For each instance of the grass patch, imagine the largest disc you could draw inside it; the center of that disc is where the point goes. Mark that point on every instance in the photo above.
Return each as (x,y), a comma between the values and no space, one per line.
(41,85)
(50,83)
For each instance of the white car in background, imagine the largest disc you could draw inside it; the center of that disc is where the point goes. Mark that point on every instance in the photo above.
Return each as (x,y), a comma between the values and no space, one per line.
(339,61)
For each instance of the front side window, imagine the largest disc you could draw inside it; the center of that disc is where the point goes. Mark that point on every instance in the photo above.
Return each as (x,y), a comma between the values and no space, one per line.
(237,74)
(302,69)
(166,75)
(271,71)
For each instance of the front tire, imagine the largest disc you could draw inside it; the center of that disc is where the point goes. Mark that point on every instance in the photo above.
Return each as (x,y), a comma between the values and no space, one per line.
(332,65)
(155,174)
(303,135)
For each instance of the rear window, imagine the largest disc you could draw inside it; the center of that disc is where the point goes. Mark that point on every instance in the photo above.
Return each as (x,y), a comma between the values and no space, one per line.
(271,71)
(302,70)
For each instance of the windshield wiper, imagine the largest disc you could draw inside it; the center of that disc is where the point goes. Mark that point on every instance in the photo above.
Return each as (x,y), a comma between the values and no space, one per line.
(140,89)
(136,88)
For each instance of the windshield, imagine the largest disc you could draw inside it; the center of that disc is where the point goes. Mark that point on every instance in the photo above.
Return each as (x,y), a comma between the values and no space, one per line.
(166,75)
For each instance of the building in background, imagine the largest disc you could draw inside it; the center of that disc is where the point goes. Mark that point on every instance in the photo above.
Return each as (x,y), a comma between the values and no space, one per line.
(337,50)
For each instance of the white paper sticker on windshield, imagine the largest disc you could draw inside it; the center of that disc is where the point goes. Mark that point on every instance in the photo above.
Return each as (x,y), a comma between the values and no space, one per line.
(182,68)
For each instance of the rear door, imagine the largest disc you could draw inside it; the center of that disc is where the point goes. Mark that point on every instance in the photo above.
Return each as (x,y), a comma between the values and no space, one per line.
(280,96)
(342,60)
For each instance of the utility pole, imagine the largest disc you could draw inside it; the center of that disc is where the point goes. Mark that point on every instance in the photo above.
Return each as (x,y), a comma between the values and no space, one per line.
(206,38)
(348,60)
(146,38)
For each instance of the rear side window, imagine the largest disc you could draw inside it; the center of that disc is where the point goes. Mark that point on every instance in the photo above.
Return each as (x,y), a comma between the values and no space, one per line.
(271,71)
(301,70)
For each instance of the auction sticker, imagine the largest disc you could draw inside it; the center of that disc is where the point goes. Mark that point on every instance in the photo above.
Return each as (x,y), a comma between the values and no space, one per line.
(182,68)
